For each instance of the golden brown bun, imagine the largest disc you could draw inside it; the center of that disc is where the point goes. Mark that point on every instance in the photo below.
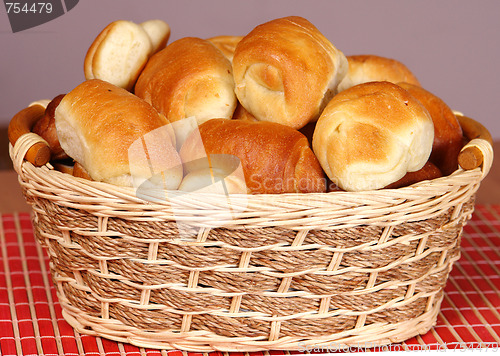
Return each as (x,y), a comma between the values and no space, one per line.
(98,124)
(428,172)
(448,135)
(371,135)
(190,78)
(46,129)
(286,71)
(275,158)
(120,52)
(370,68)
(226,44)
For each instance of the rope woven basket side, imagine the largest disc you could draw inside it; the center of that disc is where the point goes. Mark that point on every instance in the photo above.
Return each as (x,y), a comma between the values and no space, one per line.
(272,272)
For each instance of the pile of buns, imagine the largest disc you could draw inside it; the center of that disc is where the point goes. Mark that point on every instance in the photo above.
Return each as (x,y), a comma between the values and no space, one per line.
(278,110)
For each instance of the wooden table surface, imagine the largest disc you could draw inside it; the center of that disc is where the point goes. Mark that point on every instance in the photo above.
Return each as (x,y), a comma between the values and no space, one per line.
(11,199)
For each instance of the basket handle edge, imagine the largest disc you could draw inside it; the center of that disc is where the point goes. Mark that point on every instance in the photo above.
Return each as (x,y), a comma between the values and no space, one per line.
(24,143)
(478,152)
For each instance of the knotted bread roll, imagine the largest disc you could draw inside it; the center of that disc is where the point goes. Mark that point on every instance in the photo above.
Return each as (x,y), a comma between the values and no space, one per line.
(366,68)
(286,71)
(97,123)
(275,158)
(371,135)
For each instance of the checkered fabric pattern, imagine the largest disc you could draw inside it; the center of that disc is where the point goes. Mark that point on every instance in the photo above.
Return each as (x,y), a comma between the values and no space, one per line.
(31,322)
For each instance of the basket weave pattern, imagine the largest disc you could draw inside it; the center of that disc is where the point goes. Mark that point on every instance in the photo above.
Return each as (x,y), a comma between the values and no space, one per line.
(284,271)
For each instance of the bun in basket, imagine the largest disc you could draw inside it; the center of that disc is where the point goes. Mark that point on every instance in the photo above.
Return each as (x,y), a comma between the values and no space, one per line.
(366,68)
(120,52)
(286,71)
(98,122)
(371,135)
(448,135)
(275,158)
(190,78)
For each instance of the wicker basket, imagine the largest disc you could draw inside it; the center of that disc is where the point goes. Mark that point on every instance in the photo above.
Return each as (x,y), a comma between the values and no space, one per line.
(288,272)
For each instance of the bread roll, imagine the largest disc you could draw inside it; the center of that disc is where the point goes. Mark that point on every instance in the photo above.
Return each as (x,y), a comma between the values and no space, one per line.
(120,52)
(286,71)
(371,135)
(190,77)
(226,44)
(45,127)
(448,135)
(371,68)
(275,158)
(97,124)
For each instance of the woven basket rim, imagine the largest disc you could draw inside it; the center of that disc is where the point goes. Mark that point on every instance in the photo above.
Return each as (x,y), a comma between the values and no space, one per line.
(293,210)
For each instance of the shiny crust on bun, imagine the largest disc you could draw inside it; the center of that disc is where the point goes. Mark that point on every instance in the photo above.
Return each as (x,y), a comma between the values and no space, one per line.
(371,135)
(286,70)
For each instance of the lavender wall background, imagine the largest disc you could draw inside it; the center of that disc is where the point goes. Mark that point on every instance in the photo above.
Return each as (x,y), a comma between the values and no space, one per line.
(453,46)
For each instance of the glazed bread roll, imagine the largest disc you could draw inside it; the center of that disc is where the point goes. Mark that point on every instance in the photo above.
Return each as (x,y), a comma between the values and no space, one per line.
(448,135)
(286,71)
(371,135)
(226,44)
(190,78)
(371,68)
(275,158)
(97,123)
(45,127)
(120,52)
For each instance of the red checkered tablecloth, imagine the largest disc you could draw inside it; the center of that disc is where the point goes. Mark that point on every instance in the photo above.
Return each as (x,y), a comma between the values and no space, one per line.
(31,321)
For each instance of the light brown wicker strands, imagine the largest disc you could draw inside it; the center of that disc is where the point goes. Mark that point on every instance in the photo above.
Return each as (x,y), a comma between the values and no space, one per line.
(274,272)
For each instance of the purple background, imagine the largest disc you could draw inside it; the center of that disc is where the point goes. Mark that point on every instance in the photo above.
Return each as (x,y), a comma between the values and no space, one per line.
(452,46)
